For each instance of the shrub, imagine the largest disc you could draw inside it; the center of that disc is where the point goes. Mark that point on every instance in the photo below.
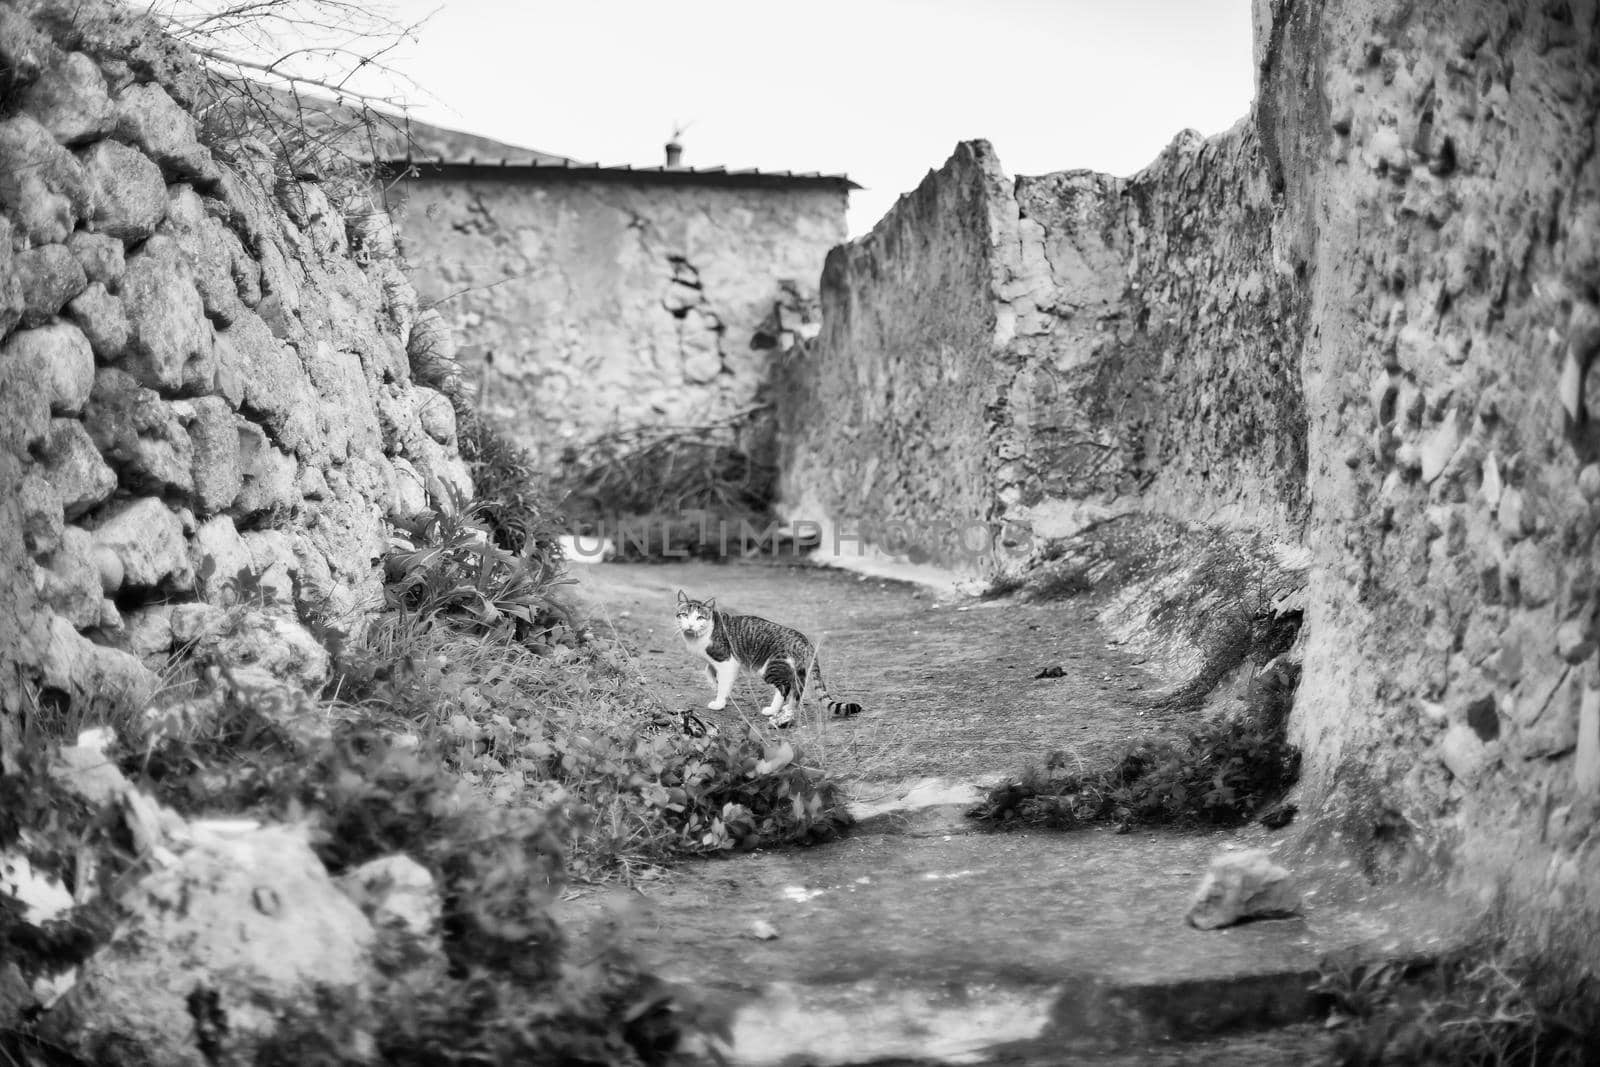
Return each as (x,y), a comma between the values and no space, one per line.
(509,490)
(442,563)
(1510,1000)
(1223,772)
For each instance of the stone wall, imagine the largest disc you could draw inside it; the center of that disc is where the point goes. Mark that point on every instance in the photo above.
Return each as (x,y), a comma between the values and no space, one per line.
(1442,198)
(590,302)
(203,372)
(886,415)
(1099,344)
(1365,319)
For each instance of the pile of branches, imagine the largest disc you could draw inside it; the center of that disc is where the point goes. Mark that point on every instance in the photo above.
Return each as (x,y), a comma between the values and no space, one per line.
(727,467)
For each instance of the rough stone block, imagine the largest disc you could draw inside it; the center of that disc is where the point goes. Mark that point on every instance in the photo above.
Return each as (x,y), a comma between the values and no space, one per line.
(170,338)
(1575,639)
(139,434)
(148,541)
(1534,569)
(396,892)
(1549,725)
(42,515)
(127,196)
(205,243)
(147,633)
(50,277)
(435,413)
(100,255)
(94,677)
(273,559)
(275,643)
(219,555)
(1464,753)
(69,99)
(54,363)
(101,318)
(1243,885)
(263,931)
(42,185)
(24,51)
(269,474)
(411,493)
(192,623)
(274,387)
(151,119)
(69,461)
(11,296)
(1586,763)
(214,437)
(70,580)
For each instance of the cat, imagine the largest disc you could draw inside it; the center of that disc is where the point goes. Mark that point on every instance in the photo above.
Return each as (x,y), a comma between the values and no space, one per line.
(783,655)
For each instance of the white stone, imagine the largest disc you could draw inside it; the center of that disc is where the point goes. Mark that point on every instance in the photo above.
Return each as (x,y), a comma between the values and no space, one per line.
(397,892)
(42,896)
(147,540)
(1586,763)
(1243,885)
(249,917)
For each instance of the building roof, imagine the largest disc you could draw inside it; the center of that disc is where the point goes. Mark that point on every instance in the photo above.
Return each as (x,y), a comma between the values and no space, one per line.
(434,150)
(535,165)
(400,144)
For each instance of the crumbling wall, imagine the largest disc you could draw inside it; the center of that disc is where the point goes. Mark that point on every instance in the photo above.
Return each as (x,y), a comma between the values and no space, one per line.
(884,419)
(1062,348)
(203,372)
(596,303)
(1366,318)
(1442,196)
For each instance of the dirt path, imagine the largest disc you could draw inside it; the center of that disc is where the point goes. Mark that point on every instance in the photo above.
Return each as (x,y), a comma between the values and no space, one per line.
(919,939)
(950,689)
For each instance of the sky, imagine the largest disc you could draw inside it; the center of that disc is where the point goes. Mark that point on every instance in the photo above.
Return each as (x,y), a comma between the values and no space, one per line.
(881,90)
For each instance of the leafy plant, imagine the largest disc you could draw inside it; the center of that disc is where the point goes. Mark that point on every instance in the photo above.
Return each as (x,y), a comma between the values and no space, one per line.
(1509,1000)
(511,500)
(1223,772)
(444,564)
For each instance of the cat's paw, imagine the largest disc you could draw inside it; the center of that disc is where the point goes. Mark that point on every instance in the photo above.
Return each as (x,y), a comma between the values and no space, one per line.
(717,705)
(769,712)
(784,719)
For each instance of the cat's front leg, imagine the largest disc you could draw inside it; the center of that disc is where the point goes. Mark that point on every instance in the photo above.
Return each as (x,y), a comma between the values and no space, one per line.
(724,673)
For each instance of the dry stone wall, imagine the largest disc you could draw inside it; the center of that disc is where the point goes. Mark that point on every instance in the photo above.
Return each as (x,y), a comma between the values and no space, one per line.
(203,372)
(1366,319)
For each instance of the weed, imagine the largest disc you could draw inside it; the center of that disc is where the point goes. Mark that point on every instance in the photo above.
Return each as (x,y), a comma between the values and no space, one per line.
(1223,772)
(1513,999)
(442,563)
(510,498)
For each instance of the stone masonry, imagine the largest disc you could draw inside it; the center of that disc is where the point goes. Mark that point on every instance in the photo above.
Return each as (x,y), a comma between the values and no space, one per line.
(601,299)
(1365,320)
(203,373)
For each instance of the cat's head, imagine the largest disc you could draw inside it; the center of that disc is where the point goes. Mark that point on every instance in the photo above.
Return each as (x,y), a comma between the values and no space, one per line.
(694,616)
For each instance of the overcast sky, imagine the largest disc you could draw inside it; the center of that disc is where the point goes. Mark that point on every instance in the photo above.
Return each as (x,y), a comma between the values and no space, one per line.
(881,90)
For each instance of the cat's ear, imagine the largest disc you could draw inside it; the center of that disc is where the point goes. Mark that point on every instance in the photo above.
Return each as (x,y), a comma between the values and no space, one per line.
(711,605)
(682,597)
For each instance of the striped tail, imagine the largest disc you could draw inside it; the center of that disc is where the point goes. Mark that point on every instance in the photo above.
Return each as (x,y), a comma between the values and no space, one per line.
(839,709)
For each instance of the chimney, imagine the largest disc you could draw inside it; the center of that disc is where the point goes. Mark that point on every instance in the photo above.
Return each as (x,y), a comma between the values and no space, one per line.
(674,153)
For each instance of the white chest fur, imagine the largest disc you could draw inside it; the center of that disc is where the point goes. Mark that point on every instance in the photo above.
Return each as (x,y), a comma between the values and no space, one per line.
(697,645)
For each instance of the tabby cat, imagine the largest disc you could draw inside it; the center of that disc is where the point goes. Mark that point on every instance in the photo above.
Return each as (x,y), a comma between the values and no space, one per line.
(784,656)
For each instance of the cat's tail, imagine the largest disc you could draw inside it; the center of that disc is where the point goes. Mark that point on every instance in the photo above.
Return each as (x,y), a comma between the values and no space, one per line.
(839,709)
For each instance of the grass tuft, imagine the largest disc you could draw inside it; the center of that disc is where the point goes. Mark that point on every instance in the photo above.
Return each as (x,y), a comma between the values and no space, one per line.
(1222,773)
(1515,998)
